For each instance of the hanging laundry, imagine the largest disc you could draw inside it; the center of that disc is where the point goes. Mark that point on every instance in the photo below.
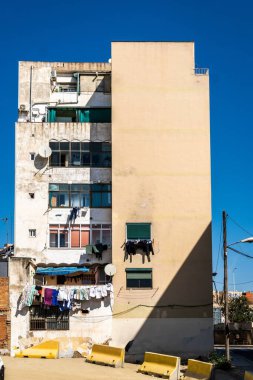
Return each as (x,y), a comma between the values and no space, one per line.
(48,297)
(74,213)
(131,248)
(92,292)
(104,290)
(98,292)
(54,297)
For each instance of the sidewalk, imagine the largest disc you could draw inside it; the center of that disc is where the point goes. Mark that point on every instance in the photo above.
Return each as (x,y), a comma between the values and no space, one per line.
(240,365)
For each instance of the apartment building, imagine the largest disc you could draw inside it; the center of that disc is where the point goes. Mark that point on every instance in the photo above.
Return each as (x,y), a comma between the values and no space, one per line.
(113,167)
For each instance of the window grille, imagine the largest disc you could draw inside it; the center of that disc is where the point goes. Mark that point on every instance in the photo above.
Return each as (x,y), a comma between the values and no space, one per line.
(48,319)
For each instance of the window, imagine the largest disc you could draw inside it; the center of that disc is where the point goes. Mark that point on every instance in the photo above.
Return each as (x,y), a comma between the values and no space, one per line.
(79,235)
(31,195)
(32,233)
(84,154)
(32,156)
(139,278)
(101,233)
(48,319)
(81,115)
(136,231)
(80,195)
(101,195)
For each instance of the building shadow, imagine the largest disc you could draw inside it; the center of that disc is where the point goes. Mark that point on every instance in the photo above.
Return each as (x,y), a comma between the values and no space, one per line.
(180,320)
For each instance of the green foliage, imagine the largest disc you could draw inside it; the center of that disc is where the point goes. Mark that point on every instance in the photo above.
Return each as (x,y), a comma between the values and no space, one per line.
(239,310)
(219,361)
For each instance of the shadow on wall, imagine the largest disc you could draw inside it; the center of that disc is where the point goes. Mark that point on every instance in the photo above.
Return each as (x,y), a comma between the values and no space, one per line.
(189,295)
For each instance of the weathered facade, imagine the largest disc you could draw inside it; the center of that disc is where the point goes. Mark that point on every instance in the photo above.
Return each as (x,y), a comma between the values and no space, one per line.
(4,307)
(150,207)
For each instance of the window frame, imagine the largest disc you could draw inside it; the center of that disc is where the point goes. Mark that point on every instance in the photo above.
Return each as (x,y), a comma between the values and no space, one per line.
(139,270)
(138,223)
(45,320)
(87,151)
(85,192)
(32,232)
(79,227)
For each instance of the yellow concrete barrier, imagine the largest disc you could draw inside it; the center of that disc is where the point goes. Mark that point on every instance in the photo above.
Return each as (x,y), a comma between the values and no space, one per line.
(198,370)
(107,355)
(45,350)
(161,365)
(248,375)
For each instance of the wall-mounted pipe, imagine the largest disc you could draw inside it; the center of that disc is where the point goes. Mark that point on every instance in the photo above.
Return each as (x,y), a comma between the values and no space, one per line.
(31,78)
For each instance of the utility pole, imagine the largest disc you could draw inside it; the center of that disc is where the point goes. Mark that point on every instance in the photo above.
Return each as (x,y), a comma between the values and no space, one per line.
(225,253)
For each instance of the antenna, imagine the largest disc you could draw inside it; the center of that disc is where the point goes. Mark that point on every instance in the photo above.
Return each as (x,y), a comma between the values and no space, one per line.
(110,269)
(45,151)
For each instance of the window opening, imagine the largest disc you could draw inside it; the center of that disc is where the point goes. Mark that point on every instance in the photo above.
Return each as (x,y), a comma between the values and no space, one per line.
(139,278)
(79,235)
(75,154)
(81,115)
(138,240)
(48,319)
(32,233)
(32,156)
(80,195)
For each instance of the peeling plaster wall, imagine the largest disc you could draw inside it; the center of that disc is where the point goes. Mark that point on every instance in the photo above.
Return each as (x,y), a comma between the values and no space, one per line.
(34,176)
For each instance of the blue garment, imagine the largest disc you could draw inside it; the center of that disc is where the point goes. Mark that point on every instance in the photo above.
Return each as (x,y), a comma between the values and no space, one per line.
(54,297)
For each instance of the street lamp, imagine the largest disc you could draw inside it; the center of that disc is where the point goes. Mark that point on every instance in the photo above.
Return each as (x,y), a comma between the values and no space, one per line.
(225,249)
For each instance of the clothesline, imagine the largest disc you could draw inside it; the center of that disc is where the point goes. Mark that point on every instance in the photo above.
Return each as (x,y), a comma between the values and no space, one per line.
(63,297)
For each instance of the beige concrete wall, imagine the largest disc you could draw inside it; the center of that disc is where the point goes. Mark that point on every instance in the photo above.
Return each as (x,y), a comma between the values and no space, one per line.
(161,175)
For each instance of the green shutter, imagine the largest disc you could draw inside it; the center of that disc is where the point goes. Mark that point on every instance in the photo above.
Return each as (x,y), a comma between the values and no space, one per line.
(139,276)
(139,231)
(51,115)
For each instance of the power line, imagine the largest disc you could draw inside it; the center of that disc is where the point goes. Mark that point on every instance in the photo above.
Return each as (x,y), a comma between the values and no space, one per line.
(241,253)
(238,283)
(219,250)
(238,225)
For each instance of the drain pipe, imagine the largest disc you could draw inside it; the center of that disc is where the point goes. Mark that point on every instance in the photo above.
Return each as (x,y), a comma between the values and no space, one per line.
(31,77)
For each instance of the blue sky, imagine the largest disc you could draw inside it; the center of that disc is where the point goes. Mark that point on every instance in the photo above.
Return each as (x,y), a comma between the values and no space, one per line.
(81,30)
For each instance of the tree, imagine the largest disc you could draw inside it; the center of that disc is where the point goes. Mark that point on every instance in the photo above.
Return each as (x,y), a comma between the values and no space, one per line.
(239,310)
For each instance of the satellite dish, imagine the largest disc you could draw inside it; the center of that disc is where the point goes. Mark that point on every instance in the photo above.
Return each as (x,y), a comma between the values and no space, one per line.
(45,151)
(110,269)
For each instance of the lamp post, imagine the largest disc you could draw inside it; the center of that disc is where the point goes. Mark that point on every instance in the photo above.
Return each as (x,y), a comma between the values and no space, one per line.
(225,254)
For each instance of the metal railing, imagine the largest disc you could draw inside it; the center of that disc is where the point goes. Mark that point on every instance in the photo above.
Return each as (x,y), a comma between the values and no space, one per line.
(201,71)
(48,319)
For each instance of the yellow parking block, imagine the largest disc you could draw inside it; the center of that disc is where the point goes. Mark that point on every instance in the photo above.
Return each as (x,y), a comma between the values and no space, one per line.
(107,355)
(248,375)
(161,365)
(198,370)
(45,350)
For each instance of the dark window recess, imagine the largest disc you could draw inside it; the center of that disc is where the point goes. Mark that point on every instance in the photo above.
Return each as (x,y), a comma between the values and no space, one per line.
(48,319)
(61,280)
(136,231)
(31,195)
(3,268)
(81,115)
(139,278)
(79,195)
(74,154)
